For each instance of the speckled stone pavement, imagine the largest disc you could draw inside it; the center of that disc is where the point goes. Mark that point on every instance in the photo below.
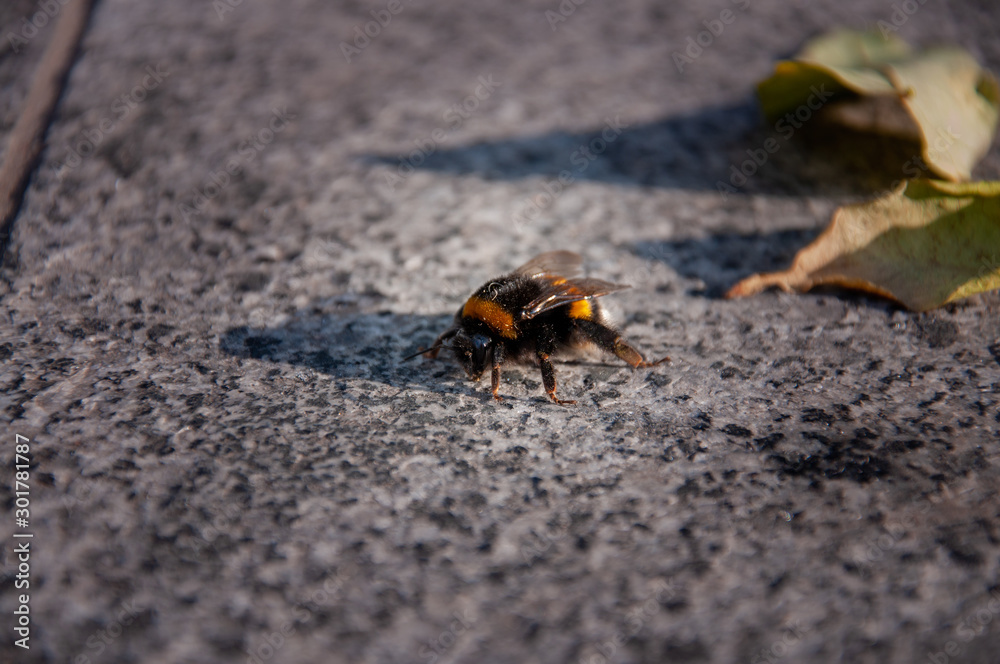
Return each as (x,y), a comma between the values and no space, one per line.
(236,234)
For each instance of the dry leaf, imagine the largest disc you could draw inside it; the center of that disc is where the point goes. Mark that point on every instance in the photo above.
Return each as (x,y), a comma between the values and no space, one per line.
(940,97)
(925,244)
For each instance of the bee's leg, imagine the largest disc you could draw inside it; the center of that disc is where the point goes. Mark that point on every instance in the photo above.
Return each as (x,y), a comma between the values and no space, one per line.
(611,341)
(549,379)
(433,351)
(498,355)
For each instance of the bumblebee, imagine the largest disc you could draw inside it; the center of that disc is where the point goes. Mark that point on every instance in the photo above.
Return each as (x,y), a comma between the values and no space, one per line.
(535,311)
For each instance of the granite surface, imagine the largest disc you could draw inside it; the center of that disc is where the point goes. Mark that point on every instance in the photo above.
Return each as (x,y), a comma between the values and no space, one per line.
(236,234)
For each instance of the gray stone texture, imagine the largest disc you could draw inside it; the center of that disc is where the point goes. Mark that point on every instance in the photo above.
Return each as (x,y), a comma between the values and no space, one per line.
(231,458)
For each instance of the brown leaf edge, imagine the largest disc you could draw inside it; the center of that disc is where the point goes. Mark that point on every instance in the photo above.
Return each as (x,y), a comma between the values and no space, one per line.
(797,278)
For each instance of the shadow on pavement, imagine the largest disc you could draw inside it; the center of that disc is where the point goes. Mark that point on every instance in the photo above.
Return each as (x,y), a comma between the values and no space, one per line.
(353,345)
(697,151)
(721,260)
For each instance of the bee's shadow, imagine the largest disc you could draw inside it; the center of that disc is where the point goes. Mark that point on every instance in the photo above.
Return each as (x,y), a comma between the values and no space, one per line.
(367,346)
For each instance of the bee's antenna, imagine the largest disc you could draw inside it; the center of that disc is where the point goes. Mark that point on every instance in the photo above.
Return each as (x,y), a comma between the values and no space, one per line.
(424,351)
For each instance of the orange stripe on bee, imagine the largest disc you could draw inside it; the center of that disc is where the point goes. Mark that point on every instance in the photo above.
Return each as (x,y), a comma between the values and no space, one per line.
(581,309)
(492,314)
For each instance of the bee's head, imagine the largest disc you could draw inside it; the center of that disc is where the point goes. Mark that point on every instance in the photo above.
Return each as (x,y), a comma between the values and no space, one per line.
(474,350)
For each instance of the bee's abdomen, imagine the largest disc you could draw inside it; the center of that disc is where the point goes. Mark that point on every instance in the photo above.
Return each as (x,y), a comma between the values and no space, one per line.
(584,310)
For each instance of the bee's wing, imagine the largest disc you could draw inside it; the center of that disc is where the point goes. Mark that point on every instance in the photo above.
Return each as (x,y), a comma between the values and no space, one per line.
(557,263)
(559,292)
